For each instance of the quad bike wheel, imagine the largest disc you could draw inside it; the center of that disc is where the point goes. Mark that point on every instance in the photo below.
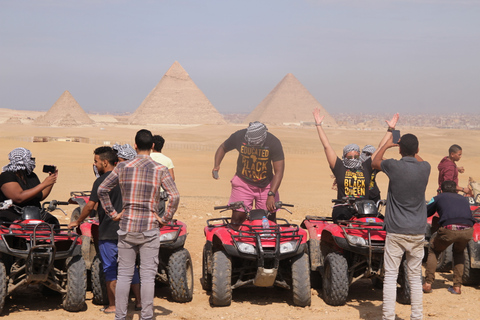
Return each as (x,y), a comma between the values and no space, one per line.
(206,277)
(74,298)
(221,279)
(99,285)
(403,292)
(471,276)
(3,285)
(302,295)
(335,280)
(180,275)
(444,261)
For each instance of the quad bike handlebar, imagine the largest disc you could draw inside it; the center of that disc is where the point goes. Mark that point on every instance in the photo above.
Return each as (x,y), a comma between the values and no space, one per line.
(48,206)
(240,204)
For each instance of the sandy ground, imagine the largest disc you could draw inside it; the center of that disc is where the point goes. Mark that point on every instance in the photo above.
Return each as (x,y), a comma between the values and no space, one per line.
(307,184)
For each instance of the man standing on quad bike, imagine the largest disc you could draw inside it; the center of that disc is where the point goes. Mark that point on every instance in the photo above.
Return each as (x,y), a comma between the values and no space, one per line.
(405,221)
(352,173)
(456,224)
(105,159)
(140,182)
(260,167)
(19,183)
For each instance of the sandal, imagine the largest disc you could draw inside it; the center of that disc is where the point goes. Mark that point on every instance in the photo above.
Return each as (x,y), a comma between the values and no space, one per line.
(452,291)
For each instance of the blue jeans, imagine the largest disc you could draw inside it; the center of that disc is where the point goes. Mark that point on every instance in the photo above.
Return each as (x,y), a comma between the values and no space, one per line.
(146,243)
(395,247)
(109,255)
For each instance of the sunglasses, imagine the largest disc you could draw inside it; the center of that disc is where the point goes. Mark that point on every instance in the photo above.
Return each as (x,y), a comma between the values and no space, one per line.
(352,157)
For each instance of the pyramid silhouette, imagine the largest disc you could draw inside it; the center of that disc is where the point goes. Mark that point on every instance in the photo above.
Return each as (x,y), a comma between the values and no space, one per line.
(289,102)
(176,100)
(65,112)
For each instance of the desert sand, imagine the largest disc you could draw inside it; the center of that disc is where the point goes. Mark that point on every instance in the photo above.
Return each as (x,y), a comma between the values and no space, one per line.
(306,184)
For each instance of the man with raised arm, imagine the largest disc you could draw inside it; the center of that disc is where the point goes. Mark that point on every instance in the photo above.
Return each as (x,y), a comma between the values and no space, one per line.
(405,221)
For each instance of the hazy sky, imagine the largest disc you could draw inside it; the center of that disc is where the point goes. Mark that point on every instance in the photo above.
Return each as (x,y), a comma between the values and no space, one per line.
(353,56)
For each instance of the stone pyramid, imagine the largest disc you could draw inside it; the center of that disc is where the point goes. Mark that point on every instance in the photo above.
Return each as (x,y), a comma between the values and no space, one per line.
(289,102)
(176,100)
(65,112)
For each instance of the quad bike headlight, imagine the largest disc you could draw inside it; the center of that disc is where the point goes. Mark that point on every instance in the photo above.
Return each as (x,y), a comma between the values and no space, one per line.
(359,241)
(287,247)
(246,248)
(167,236)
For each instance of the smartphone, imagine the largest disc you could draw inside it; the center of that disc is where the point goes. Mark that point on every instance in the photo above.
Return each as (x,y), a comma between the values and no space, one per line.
(49,169)
(396,136)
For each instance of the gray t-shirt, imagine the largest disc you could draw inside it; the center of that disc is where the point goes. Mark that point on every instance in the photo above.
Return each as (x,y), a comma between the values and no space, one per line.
(406,211)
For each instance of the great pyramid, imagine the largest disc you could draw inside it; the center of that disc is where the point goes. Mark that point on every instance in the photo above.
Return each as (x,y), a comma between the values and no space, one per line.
(176,100)
(289,102)
(65,112)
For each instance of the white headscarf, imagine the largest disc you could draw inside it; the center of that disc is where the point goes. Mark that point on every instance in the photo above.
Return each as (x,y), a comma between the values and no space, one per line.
(256,133)
(367,149)
(351,163)
(20,159)
(125,151)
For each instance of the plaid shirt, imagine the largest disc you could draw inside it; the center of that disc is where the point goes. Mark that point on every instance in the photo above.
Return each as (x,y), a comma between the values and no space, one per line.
(140,180)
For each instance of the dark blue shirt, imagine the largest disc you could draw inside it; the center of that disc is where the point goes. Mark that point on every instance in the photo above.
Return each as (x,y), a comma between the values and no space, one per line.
(452,209)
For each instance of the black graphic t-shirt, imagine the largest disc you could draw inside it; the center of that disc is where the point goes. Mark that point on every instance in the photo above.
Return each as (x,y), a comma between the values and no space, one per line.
(351,182)
(254,163)
(107,230)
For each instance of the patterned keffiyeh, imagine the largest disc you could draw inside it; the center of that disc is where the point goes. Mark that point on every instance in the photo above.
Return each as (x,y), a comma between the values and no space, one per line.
(20,159)
(367,152)
(125,151)
(256,133)
(351,163)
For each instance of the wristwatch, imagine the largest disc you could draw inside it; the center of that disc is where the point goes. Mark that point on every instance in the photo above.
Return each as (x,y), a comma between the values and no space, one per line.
(271,193)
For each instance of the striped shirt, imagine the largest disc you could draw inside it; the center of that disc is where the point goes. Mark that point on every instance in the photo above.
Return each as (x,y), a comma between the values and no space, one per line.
(140,181)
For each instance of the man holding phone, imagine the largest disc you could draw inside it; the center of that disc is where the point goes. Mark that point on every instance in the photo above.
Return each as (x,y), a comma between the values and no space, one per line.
(405,221)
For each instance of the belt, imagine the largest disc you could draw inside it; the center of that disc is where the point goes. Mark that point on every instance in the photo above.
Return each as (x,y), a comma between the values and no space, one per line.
(457,226)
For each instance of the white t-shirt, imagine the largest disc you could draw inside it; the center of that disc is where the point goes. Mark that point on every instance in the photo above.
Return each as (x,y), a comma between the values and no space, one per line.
(162,159)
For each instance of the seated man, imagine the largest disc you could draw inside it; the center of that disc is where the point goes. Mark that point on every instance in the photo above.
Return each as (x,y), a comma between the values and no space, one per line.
(456,224)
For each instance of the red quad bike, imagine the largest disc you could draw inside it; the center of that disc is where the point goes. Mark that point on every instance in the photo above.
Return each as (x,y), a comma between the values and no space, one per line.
(471,273)
(349,250)
(175,267)
(268,255)
(34,252)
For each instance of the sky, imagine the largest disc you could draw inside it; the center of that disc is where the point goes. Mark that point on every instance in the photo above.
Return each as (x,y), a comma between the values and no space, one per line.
(353,56)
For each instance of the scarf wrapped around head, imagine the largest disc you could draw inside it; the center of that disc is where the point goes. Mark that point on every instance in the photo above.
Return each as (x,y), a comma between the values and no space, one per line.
(125,151)
(20,159)
(351,163)
(367,152)
(256,133)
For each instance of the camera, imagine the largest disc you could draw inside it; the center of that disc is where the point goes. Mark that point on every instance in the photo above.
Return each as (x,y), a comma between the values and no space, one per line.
(49,169)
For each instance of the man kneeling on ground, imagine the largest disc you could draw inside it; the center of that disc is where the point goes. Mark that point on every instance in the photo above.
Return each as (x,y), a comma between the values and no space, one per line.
(456,224)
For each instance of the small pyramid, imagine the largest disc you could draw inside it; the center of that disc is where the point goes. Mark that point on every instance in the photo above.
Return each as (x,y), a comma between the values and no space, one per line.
(65,107)
(14,120)
(176,100)
(289,102)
